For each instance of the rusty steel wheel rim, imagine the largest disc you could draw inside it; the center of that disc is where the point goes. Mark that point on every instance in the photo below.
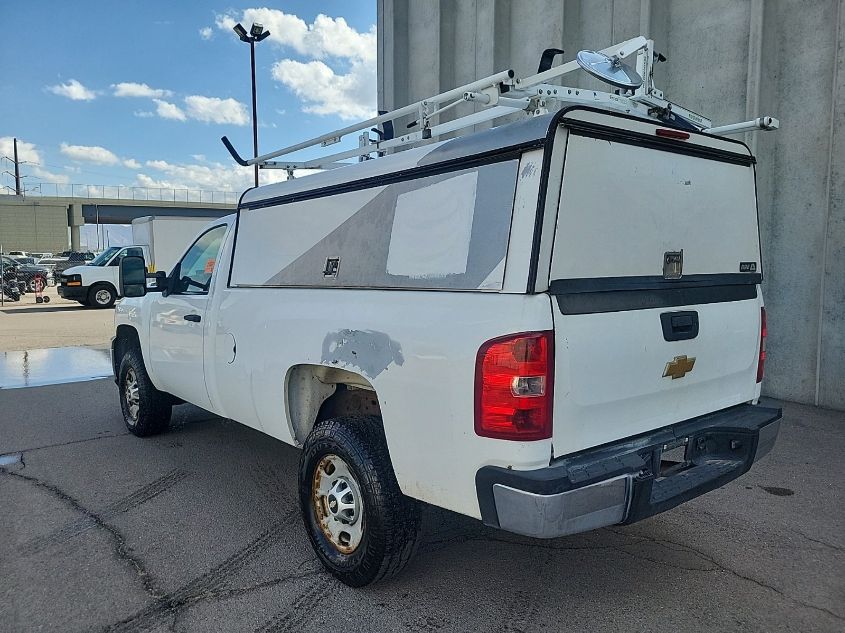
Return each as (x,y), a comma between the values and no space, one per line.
(338,505)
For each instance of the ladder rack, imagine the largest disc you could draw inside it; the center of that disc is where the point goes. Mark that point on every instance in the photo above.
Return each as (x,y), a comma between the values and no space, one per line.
(498,95)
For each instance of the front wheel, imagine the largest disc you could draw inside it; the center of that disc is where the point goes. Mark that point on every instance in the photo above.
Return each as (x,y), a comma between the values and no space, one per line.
(101,296)
(361,526)
(146,410)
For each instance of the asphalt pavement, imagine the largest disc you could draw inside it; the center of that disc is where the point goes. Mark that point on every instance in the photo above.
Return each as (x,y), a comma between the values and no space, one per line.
(199,530)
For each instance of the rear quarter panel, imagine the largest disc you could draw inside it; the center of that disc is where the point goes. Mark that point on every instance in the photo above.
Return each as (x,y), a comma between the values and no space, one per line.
(418,349)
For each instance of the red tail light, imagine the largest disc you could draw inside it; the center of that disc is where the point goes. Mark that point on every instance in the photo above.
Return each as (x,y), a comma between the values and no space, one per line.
(761,362)
(514,379)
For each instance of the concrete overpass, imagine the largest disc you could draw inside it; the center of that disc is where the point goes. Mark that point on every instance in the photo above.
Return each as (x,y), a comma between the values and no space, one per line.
(51,223)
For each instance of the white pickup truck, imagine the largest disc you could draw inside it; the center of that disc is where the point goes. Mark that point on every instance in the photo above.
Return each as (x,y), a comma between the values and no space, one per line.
(158,239)
(491,324)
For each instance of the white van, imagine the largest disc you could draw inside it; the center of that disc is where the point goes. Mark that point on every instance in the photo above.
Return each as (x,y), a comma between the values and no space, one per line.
(158,239)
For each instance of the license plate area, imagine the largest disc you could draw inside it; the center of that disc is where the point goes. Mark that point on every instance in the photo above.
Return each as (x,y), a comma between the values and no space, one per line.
(673,457)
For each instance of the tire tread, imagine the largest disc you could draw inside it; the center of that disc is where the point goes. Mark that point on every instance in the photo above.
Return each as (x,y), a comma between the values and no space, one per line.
(399,516)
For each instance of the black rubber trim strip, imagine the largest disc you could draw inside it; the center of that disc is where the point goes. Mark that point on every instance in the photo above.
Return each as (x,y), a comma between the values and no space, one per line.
(541,199)
(485,158)
(626,300)
(235,236)
(621,294)
(651,282)
(629,137)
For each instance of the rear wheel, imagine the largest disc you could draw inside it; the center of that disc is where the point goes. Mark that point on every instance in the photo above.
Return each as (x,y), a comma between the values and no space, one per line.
(361,526)
(146,410)
(101,296)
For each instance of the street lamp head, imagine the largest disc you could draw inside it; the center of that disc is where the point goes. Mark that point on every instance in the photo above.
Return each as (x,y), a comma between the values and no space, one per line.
(241,31)
(256,29)
(263,36)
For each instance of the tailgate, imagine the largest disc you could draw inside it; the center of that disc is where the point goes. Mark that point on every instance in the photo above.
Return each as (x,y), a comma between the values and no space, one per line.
(655,267)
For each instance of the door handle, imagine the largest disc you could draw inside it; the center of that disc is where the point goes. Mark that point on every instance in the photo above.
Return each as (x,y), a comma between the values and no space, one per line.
(193,317)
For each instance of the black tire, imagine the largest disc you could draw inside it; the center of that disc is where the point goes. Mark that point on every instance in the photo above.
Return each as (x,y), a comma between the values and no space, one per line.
(389,521)
(154,407)
(102,296)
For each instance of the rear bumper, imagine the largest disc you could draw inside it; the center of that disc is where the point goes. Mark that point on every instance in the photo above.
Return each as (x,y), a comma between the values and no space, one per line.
(75,293)
(622,482)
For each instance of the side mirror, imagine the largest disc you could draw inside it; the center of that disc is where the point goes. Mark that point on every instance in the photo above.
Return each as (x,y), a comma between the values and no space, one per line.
(133,276)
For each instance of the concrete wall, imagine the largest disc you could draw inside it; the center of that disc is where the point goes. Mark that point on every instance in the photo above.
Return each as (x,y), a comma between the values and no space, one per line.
(730,60)
(27,225)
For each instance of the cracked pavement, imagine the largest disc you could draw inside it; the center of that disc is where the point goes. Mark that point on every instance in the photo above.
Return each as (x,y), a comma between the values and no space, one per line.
(199,530)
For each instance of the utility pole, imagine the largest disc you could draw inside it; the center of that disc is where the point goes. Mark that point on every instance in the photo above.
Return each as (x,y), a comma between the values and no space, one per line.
(17,170)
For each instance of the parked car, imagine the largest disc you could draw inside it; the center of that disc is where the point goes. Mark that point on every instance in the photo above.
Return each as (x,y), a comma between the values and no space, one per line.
(18,254)
(552,326)
(67,259)
(28,273)
(78,256)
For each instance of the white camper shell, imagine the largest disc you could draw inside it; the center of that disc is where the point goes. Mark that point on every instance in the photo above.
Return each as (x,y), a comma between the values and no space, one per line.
(551,326)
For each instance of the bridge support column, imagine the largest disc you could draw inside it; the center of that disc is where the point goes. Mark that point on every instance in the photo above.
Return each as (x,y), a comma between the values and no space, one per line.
(74,221)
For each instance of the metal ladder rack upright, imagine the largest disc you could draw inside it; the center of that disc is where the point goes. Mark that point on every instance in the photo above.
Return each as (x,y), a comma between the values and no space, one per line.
(501,94)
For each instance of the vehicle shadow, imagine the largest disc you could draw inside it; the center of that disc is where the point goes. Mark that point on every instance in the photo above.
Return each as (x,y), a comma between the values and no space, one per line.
(44,307)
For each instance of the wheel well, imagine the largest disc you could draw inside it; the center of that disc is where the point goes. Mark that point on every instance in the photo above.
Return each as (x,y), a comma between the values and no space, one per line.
(317,392)
(125,338)
(104,283)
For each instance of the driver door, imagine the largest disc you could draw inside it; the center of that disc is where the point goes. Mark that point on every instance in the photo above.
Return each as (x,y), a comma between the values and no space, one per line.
(178,322)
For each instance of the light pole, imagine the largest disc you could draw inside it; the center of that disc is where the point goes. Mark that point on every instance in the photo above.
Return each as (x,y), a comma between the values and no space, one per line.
(256,34)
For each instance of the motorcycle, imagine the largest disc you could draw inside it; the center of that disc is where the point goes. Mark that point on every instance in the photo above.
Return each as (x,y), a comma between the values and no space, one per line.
(9,285)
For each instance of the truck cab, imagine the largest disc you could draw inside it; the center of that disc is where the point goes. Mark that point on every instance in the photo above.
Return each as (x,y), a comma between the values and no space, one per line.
(96,283)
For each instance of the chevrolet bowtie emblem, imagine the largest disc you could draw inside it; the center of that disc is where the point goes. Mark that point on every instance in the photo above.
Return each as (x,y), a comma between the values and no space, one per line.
(679,367)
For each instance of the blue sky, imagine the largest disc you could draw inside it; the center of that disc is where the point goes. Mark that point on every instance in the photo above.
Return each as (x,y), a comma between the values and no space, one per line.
(140,92)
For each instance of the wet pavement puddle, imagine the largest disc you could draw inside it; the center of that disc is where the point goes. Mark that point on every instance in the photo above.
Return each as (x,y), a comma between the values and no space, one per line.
(11,459)
(38,367)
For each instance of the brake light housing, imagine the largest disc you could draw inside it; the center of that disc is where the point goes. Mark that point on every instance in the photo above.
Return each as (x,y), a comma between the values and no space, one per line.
(676,134)
(514,385)
(761,359)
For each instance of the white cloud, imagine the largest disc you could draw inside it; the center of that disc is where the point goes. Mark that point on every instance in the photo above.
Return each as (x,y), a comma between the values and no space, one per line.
(199,108)
(132,89)
(321,85)
(131,163)
(89,153)
(73,90)
(167,110)
(323,91)
(206,33)
(325,37)
(214,110)
(143,114)
(31,157)
(211,176)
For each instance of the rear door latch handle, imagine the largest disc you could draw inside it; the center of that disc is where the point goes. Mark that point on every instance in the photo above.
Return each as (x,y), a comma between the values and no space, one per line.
(679,326)
(193,317)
